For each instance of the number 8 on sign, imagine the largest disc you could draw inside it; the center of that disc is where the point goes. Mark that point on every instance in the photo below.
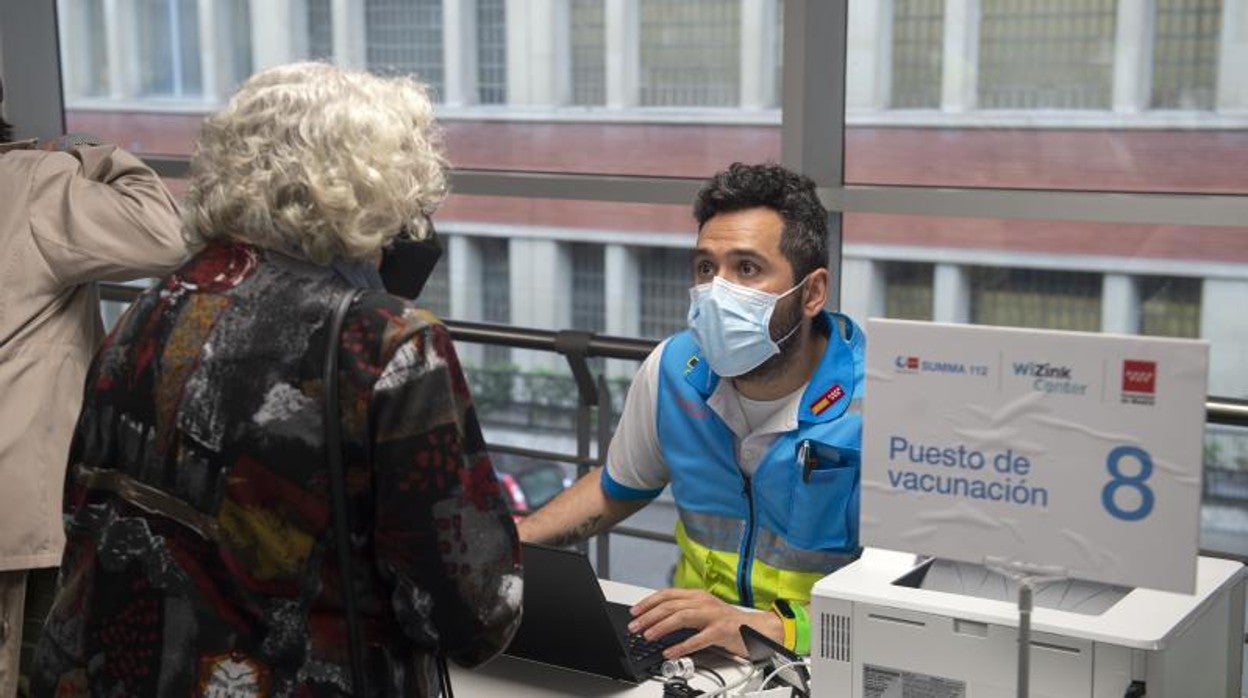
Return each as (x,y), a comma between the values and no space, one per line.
(1135,482)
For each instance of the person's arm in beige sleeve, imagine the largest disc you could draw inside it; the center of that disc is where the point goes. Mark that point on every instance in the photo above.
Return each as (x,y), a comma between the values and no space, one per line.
(98,213)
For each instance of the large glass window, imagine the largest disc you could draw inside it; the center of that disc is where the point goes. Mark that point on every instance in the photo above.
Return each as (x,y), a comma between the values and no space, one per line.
(1036,298)
(1185,54)
(1094,95)
(240,53)
(436,295)
(405,36)
(1080,95)
(496,292)
(589,310)
(665,281)
(1160,280)
(908,290)
(1046,55)
(589,52)
(1169,306)
(491,51)
(1224,505)
(690,53)
(84,50)
(918,47)
(167,34)
(320,30)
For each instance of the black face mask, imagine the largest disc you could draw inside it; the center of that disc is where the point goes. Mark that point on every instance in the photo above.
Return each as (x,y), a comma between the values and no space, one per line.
(407,263)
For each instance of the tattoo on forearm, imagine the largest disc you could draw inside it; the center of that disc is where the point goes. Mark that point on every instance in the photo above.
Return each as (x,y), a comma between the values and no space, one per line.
(579,532)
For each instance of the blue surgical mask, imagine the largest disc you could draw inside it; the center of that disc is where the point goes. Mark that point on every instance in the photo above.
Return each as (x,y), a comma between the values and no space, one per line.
(731,323)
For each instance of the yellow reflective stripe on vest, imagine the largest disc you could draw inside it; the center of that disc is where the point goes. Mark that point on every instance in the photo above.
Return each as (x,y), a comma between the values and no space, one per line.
(700,567)
(772,549)
(712,530)
(709,559)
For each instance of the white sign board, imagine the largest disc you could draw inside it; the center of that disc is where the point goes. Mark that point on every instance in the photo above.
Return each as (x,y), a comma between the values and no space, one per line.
(1076,452)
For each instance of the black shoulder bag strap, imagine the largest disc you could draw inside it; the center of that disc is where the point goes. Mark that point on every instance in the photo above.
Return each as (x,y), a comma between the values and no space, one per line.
(338,492)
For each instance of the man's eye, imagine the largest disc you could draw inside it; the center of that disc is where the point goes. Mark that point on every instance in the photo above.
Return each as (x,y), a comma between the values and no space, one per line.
(748,269)
(703,269)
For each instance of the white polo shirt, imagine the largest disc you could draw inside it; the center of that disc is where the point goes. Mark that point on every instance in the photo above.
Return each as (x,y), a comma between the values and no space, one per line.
(635,459)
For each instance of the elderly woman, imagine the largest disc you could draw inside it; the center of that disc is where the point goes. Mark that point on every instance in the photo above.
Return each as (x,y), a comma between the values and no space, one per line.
(201,557)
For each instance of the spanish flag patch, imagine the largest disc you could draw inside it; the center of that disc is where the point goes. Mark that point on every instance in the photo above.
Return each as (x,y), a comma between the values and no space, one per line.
(827,400)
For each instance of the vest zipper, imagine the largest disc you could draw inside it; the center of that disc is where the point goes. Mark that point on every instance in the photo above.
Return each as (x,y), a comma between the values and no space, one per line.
(746,555)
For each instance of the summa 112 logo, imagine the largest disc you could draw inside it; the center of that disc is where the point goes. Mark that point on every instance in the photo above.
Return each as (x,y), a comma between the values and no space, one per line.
(1139,381)
(906,363)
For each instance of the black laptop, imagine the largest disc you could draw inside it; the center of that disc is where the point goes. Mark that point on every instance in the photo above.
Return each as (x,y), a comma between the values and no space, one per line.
(569,623)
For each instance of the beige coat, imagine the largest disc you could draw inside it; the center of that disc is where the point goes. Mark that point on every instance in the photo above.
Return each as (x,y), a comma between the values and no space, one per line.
(66,220)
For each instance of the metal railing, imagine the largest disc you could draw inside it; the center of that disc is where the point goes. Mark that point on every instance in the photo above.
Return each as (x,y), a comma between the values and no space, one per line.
(593,397)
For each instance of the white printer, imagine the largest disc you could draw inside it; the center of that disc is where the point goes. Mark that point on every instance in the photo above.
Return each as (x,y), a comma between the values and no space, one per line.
(891,625)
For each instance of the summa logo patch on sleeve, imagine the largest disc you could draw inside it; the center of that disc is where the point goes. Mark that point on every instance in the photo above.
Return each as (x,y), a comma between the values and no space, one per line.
(828,399)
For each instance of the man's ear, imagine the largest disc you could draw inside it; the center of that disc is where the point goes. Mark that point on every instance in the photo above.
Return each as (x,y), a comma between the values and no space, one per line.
(815,293)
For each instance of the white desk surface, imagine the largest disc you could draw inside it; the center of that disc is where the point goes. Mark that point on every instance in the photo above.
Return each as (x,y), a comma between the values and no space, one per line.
(519,678)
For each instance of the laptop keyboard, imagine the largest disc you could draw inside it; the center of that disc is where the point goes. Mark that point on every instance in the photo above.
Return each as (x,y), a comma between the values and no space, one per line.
(647,655)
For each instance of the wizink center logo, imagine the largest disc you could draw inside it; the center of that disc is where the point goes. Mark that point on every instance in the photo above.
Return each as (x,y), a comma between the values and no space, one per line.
(1139,382)
(913,364)
(1050,378)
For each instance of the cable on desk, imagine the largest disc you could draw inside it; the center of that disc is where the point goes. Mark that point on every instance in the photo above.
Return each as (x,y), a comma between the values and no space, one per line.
(719,678)
(775,672)
(723,690)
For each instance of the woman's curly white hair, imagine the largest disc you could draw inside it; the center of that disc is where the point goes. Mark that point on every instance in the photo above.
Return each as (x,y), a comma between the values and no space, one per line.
(319,162)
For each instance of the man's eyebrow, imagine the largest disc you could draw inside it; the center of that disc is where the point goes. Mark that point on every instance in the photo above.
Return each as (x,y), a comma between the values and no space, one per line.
(738,252)
(745,253)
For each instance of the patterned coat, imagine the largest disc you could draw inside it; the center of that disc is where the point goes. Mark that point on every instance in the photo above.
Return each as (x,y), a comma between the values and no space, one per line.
(200,558)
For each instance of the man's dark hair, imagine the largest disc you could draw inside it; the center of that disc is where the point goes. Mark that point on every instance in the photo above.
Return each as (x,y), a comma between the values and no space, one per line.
(804,241)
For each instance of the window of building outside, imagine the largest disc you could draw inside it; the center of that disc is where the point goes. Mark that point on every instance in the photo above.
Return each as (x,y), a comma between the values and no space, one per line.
(167,43)
(1169,306)
(495,293)
(589,42)
(908,290)
(240,54)
(589,312)
(1185,54)
(320,30)
(690,53)
(491,51)
(84,50)
(918,30)
(665,280)
(436,295)
(1094,95)
(405,37)
(1031,57)
(1035,298)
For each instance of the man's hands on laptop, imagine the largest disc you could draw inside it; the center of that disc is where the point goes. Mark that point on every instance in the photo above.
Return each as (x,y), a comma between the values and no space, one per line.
(717,622)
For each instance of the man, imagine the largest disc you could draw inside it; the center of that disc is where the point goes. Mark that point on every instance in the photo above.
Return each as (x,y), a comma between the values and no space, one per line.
(752,416)
(68,219)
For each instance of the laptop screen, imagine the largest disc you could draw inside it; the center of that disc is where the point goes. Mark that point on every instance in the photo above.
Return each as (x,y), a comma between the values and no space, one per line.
(567,620)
